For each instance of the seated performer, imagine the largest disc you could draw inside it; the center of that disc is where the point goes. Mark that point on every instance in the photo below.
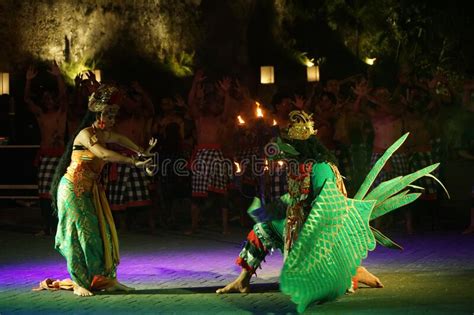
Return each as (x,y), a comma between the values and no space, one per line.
(323,234)
(86,234)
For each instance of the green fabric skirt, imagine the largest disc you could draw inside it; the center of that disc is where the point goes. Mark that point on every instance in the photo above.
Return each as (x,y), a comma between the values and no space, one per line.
(78,236)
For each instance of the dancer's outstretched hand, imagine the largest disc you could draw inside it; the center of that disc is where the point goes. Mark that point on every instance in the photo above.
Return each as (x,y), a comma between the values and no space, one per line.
(143,163)
(151,145)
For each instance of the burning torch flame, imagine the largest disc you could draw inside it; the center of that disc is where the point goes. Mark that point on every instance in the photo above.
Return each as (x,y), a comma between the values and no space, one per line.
(274,122)
(241,121)
(266,168)
(259,110)
(237,165)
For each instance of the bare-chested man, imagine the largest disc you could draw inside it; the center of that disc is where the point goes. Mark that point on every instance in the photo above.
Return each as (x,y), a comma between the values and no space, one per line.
(210,171)
(50,114)
(388,126)
(129,186)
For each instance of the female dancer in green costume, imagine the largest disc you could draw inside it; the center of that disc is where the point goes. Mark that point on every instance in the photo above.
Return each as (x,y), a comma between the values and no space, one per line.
(86,234)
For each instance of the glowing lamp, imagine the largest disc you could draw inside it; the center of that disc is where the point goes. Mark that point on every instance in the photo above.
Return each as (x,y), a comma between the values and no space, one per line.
(98,75)
(274,122)
(369,61)
(4,83)
(312,73)
(267,75)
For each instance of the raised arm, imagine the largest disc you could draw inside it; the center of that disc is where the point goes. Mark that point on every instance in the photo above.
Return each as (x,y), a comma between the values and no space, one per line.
(224,88)
(195,94)
(62,97)
(32,107)
(361,90)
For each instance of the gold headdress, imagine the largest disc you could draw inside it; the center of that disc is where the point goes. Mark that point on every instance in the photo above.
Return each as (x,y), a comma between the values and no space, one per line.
(106,97)
(301,125)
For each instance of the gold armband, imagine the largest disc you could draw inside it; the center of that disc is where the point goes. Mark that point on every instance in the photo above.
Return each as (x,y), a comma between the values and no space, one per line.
(93,140)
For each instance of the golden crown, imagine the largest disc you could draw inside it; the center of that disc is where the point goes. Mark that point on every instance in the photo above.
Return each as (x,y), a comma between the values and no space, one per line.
(301,125)
(106,97)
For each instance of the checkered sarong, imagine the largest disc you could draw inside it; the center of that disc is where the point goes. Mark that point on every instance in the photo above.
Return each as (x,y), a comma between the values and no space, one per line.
(210,172)
(419,160)
(279,182)
(47,167)
(396,166)
(129,189)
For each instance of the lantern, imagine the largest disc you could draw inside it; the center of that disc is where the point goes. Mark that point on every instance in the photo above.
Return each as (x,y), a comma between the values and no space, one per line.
(312,73)
(267,75)
(4,83)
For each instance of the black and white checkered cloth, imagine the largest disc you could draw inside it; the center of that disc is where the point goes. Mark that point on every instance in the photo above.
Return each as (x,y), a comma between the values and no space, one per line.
(47,167)
(130,189)
(397,166)
(210,172)
(279,184)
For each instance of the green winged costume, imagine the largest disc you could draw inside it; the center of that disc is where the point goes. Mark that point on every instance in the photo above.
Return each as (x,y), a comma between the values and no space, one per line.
(324,234)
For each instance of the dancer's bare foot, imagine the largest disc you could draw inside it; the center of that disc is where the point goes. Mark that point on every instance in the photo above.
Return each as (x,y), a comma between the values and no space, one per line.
(365,277)
(117,286)
(469,230)
(239,285)
(80,291)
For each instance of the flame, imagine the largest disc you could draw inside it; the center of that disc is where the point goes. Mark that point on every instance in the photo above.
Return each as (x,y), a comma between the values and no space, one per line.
(259,110)
(266,168)
(241,121)
(237,165)
(274,122)
(281,163)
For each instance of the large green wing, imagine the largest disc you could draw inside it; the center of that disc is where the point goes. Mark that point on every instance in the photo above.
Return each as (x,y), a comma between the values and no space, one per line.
(330,246)
(374,172)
